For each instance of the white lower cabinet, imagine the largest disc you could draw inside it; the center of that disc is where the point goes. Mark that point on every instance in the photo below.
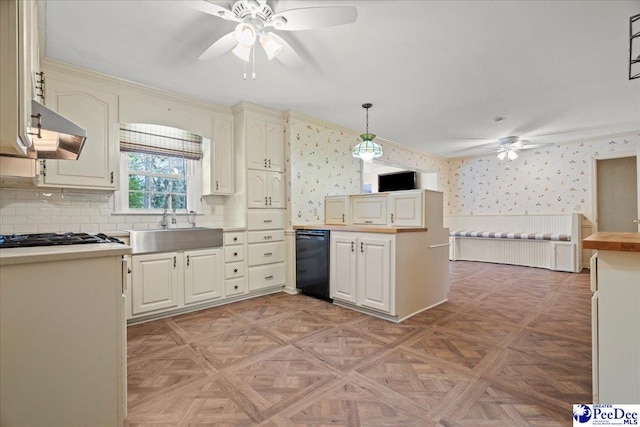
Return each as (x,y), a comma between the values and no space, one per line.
(154,282)
(171,280)
(361,269)
(266,249)
(202,273)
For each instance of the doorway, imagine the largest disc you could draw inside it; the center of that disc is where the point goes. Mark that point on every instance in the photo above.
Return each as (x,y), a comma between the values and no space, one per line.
(616,185)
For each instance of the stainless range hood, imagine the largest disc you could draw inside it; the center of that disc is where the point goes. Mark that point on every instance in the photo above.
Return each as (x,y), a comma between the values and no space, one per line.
(53,136)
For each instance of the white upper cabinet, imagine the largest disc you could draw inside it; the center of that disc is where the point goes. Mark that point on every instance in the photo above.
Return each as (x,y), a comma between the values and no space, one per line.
(19,56)
(336,210)
(217,160)
(265,145)
(406,209)
(265,189)
(369,209)
(97,112)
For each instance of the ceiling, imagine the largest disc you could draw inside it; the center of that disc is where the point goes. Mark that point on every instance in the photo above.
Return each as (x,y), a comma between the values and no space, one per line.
(437,72)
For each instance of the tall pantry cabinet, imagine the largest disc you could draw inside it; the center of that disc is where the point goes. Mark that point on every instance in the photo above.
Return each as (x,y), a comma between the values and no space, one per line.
(259,135)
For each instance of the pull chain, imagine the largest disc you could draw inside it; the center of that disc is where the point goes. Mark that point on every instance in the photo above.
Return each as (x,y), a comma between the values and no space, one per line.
(245,70)
(253,59)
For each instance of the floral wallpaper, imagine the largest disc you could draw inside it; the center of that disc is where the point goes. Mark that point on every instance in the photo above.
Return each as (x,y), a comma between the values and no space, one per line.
(320,163)
(555,179)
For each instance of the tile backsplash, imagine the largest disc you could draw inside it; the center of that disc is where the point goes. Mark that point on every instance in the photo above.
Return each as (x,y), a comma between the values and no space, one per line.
(36,210)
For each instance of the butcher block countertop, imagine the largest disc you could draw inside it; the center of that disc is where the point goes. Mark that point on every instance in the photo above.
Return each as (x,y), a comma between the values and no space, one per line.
(361,228)
(604,241)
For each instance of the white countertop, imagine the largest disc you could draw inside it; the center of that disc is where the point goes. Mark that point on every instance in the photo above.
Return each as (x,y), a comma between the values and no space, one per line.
(38,254)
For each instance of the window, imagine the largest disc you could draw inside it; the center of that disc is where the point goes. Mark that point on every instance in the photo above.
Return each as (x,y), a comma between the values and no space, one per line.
(160,169)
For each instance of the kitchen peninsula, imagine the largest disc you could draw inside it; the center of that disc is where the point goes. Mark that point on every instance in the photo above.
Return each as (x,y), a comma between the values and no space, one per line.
(386,271)
(62,335)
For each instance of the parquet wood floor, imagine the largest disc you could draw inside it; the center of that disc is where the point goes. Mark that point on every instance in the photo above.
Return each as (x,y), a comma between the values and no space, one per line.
(511,347)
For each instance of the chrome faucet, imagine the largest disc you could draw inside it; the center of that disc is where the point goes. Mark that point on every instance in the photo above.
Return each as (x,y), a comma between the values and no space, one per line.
(168,199)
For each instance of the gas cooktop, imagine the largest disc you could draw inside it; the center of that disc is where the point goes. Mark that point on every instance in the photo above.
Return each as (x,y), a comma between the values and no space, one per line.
(51,239)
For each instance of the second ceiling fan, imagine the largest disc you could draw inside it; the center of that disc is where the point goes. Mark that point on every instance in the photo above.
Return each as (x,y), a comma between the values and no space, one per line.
(256,18)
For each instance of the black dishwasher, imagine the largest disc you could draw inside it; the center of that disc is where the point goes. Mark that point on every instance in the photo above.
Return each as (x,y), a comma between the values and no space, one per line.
(312,262)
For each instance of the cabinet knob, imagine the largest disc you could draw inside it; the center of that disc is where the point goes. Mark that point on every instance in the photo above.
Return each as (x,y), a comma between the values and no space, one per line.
(235,239)
(235,287)
(361,247)
(235,270)
(188,260)
(235,254)
(392,218)
(128,270)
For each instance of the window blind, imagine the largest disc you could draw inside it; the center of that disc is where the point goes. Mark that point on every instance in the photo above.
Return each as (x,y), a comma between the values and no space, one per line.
(160,140)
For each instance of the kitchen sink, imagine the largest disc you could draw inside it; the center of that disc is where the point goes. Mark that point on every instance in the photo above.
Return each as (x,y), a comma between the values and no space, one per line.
(173,239)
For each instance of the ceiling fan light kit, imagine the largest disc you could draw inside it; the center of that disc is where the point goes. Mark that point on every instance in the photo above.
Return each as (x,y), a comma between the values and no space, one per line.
(367,149)
(254,16)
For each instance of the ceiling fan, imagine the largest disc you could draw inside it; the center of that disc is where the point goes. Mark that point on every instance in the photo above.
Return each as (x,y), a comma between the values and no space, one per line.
(510,145)
(256,18)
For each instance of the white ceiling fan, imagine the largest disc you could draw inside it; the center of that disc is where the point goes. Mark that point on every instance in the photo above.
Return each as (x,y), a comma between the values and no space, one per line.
(510,145)
(256,18)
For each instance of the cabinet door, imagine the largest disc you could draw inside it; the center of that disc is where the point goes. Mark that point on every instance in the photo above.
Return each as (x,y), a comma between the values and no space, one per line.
(336,210)
(342,267)
(203,276)
(97,112)
(275,147)
(154,282)
(256,144)
(257,189)
(406,209)
(374,277)
(275,189)
(217,172)
(370,210)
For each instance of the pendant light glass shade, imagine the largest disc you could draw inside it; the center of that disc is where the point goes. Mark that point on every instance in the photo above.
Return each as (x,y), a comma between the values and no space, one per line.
(367,149)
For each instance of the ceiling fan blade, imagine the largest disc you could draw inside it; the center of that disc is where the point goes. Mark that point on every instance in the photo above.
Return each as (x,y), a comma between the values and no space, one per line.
(533,146)
(212,9)
(287,55)
(222,45)
(313,17)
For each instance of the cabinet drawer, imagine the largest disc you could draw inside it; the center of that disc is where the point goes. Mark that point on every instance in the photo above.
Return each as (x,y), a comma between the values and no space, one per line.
(266,253)
(233,270)
(233,253)
(265,236)
(265,220)
(235,286)
(266,276)
(234,238)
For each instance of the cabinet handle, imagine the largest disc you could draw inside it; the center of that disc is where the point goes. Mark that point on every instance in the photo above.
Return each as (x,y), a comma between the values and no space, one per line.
(188,260)
(235,270)
(235,254)
(128,270)
(235,287)
(343,218)
(268,253)
(268,277)
(269,200)
(391,218)
(368,222)
(174,262)
(268,220)
(265,163)
(353,246)
(111,177)
(269,163)
(235,239)
(216,185)
(265,201)
(268,237)
(361,247)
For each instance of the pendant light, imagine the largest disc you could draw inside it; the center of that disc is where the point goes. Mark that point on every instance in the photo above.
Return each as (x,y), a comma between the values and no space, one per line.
(367,149)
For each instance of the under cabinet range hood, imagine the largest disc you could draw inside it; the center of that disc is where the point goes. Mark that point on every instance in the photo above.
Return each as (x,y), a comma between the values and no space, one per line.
(53,136)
